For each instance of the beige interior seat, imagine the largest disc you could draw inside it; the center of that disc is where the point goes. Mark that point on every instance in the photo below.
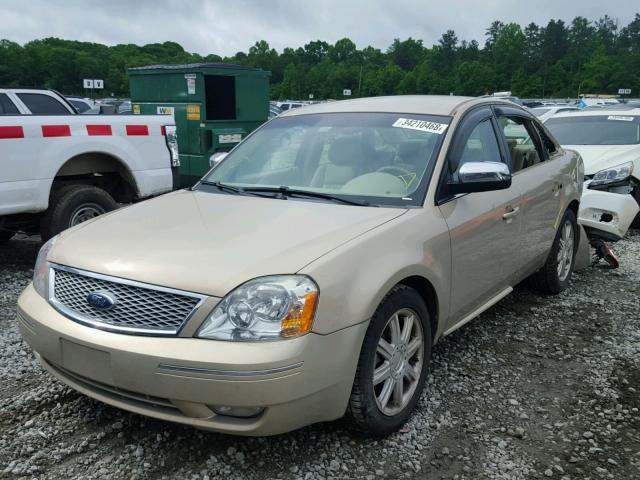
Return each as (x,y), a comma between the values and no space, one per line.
(512,144)
(524,156)
(345,162)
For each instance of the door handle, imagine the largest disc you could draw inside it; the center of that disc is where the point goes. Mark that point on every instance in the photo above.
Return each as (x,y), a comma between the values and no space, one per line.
(511,213)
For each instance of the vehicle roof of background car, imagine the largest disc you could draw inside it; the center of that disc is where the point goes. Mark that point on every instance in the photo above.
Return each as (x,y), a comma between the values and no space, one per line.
(600,112)
(416,104)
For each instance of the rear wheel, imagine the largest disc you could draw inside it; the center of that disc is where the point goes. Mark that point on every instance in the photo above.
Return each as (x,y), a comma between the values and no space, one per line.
(554,276)
(73,205)
(393,363)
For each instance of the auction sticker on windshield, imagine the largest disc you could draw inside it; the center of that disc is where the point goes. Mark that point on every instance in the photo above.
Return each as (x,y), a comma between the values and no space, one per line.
(421,125)
(620,118)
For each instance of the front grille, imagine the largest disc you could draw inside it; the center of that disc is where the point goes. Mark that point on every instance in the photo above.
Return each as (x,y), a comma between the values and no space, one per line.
(138,308)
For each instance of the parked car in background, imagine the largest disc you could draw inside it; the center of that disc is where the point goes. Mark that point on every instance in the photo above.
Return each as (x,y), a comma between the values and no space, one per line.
(30,101)
(546,112)
(609,142)
(310,272)
(82,105)
(289,105)
(588,102)
(274,110)
(60,168)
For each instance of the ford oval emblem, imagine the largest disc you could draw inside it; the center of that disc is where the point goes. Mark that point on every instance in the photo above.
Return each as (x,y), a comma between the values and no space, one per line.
(101,300)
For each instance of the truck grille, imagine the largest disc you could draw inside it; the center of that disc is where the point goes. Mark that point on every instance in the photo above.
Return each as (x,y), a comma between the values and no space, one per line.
(138,308)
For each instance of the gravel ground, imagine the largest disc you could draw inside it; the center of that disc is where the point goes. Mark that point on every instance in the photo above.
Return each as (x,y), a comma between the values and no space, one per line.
(538,387)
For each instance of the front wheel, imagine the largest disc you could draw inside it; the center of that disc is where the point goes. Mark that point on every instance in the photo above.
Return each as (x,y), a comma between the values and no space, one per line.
(554,276)
(393,363)
(73,205)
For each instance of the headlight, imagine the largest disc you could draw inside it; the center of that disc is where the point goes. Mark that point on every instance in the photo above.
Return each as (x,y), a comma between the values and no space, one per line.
(41,270)
(266,308)
(613,174)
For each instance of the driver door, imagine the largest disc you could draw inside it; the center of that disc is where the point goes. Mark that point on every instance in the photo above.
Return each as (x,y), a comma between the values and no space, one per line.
(485,227)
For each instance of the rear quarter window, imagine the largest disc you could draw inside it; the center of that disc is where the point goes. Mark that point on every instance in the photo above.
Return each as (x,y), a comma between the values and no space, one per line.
(40,104)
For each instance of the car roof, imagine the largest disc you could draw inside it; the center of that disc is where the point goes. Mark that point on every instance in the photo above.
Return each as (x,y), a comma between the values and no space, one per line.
(416,104)
(599,112)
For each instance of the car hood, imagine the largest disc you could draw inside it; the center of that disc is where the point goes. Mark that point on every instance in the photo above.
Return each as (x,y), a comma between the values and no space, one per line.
(210,243)
(599,157)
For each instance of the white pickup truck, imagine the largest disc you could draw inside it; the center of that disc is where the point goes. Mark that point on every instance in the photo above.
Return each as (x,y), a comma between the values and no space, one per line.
(59,168)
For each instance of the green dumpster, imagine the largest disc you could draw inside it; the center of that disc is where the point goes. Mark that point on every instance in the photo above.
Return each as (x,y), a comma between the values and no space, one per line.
(215,105)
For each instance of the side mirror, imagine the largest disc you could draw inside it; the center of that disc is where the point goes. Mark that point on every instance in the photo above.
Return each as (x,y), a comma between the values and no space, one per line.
(481,177)
(216,158)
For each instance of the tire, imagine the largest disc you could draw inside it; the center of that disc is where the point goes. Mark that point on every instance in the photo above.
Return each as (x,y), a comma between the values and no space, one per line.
(72,205)
(366,412)
(551,278)
(5,236)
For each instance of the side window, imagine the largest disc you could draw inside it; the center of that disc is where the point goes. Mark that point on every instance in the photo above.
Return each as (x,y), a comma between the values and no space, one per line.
(522,141)
(40,104)
(481,146)
(6,106)
(547,143)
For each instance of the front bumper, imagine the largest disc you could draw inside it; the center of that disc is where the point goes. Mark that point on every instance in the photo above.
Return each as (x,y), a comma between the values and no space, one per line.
(607,215)
(298,382)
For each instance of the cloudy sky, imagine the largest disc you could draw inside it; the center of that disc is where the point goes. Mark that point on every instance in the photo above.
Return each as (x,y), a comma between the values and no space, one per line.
(227,26)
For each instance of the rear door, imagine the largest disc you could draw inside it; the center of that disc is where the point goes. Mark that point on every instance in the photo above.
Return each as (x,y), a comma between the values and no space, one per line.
(485,227)
(537,173)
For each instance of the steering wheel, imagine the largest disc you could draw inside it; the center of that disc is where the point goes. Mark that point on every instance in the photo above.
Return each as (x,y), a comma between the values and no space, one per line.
(395,170)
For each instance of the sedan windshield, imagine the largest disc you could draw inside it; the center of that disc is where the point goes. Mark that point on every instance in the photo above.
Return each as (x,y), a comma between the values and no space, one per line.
(373,158)
(596,129)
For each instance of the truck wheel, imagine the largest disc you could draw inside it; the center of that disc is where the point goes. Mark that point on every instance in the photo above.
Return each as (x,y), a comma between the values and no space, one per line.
(6,236)
(393,363)
(554,276)
(72,205)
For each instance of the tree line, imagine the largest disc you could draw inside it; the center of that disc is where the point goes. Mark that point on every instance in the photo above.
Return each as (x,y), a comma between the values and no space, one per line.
(554,60)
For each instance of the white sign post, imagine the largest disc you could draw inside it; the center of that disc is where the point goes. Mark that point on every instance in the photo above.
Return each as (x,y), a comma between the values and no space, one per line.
(93,83)
(346,92)
(624,91)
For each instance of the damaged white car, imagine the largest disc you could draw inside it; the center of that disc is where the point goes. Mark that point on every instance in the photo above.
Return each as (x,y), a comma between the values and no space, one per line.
(609,143)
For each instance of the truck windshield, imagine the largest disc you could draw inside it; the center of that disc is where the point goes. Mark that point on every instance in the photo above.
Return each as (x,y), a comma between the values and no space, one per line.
(620,129)
(381,158)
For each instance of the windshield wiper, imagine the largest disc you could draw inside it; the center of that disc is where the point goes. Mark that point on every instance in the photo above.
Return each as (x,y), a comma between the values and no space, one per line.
(289,192)
(230,188)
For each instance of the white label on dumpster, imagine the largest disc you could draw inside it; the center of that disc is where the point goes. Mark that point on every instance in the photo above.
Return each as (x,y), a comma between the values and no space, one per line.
(231,138)
(191,86)
(164,110)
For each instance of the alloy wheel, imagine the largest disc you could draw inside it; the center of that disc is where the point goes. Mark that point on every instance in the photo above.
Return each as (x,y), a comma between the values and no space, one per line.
(565,250)
(398,362)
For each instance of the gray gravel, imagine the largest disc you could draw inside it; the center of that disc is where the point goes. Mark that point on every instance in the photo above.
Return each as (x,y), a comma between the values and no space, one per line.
(538,387)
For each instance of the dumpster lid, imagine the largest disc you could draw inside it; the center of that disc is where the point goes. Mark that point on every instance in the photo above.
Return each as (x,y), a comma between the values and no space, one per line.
(193,66)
